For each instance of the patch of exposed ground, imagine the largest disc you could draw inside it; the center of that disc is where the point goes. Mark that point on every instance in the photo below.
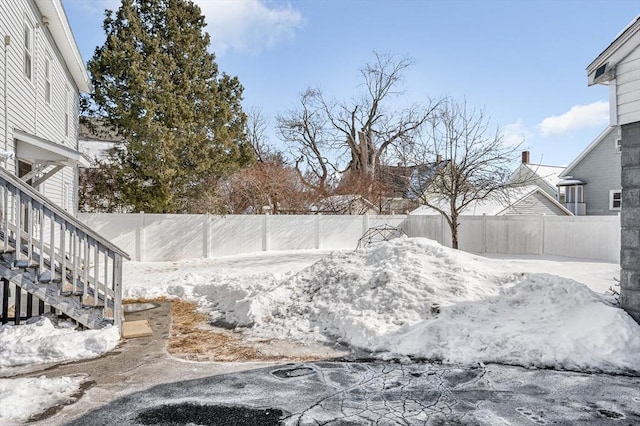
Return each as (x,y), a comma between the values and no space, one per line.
(193,338)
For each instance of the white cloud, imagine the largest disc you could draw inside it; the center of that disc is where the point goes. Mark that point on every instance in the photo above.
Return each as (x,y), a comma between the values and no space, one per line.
(515,133)
(248,25)
(579,116)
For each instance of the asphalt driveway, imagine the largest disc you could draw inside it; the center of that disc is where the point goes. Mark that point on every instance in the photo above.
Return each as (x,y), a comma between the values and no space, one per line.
(380,393)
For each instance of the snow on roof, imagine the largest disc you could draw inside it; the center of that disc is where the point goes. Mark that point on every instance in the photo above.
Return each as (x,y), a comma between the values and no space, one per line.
(494,205)
(549,174)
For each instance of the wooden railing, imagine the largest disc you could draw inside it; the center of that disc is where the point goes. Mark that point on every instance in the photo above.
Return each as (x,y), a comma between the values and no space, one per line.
(60,250)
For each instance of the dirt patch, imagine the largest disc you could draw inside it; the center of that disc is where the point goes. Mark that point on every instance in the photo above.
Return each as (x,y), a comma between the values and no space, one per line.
(194,339)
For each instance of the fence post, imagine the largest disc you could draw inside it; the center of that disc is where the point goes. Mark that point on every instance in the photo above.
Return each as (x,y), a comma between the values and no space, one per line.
(317,232)
(442,238)
(484,232)
(205,236)
(265,233)
(541,237)
(365,223)
(140,238)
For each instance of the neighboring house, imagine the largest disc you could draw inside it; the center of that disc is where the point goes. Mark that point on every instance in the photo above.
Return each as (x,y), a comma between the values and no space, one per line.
(523,200)
(96,139)
(546,177)
(43,76)
(592,181)
(344,204)
(618,66)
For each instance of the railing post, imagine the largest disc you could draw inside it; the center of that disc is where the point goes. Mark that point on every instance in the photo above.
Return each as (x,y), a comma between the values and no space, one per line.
(117,290)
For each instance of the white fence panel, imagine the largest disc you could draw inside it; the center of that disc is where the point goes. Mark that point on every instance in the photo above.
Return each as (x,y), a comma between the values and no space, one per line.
(291,232)
(341,232)
(150,237)
(587,237)
(231,235)
(590,237)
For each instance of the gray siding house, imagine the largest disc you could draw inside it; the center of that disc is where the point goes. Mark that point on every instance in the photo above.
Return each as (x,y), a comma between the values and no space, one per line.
(592,181)
(522,200)
(43,76)
(618,66)
(544,176)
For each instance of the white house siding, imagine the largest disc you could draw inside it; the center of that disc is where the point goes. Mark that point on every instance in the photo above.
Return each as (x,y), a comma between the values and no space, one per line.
(628,88)
(23,101)
(600,169)
(535,204)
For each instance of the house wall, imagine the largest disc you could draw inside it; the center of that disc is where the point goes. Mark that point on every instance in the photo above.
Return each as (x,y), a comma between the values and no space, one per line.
(628,88)
(630,221)
(23,104)
(535,204)
(600,169)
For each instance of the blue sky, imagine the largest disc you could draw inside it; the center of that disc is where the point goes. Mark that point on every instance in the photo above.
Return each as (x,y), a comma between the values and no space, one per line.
(523,61)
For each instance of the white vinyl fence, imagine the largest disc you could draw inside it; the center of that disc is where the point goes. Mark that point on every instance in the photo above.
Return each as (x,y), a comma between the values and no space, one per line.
(587,237)
(161,237)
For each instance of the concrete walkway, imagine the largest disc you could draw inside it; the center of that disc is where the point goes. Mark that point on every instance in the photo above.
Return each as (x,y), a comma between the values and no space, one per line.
(139,383)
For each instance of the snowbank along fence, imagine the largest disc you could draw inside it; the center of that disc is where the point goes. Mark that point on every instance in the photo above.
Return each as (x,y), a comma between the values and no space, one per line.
(162,237)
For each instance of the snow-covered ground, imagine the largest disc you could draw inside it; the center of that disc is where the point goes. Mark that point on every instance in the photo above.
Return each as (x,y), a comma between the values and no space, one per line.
(407,298)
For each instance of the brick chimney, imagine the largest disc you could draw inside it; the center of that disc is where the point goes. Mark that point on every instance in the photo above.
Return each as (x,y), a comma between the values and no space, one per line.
(438,159)
(525,157)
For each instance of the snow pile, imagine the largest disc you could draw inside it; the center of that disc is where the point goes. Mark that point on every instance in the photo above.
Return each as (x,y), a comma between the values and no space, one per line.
(359,296)
(542,321)
(41,342)
(414,297)
(40,393)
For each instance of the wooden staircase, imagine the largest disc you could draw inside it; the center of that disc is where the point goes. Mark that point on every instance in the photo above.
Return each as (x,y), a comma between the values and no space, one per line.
(50,261)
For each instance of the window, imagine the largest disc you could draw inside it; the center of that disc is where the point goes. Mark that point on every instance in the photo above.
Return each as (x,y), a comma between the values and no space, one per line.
(47,80)
(28,50)
(618,145)
(67,95)
(575,194)
(615,199)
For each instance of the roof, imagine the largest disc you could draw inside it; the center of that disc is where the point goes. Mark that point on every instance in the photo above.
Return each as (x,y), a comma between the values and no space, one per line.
(410,181)
(603,135)
(549,174)
(496,204)
(55,18)
(601,69)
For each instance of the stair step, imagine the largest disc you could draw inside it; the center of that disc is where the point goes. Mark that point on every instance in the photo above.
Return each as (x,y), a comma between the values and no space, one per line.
(24,264)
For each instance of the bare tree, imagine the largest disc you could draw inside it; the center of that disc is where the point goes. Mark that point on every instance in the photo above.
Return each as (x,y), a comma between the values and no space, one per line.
(368,125)
(256,130)
(266,188)
(473,162)
(304,129)
(362,130)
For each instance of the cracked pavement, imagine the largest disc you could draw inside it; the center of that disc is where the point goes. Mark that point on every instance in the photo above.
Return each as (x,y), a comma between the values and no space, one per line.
(140,384)
(381,393)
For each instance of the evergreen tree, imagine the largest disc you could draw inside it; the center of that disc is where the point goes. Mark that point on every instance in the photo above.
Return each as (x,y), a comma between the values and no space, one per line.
(182,123)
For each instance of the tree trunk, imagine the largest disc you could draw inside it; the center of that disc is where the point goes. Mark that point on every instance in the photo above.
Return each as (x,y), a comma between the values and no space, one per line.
(454,231)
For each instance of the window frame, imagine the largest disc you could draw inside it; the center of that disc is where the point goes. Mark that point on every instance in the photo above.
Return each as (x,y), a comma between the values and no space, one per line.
(613,199)
(67,106)
(28,50)
(48,80)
